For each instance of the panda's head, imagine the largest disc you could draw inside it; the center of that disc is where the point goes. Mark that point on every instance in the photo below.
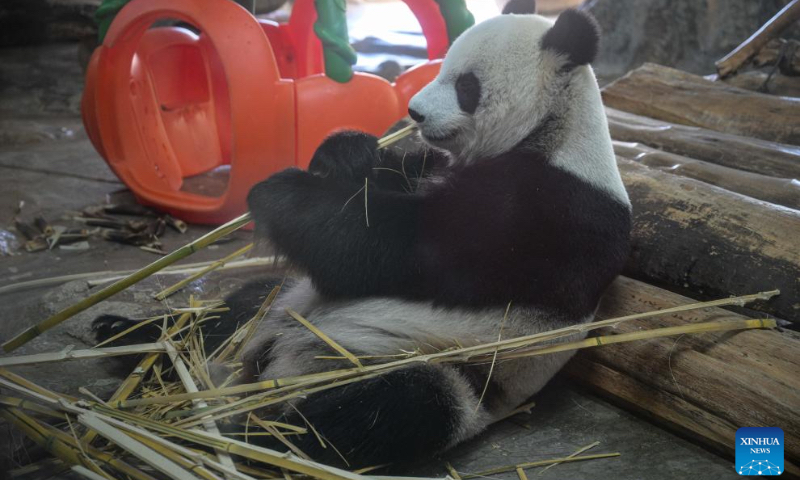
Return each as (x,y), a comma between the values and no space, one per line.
(502,79)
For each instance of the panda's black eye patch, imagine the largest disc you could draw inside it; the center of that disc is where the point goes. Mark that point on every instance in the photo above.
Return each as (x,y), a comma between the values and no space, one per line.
(468,92)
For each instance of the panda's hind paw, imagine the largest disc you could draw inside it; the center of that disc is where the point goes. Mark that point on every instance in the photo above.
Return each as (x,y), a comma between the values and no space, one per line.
(106,327)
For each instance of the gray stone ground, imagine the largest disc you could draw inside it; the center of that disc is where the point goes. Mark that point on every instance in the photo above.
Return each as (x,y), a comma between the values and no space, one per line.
(47,162)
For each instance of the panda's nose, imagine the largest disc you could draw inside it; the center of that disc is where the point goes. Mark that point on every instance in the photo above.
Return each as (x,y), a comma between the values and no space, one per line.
(416,116)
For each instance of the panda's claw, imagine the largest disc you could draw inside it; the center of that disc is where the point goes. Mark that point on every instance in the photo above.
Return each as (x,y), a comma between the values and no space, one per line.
(108,326)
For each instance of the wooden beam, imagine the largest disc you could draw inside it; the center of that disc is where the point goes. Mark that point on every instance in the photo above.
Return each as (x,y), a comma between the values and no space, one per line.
(700,238)
(679,97)
(705,386)
(735,151)
(773,28)
(780,191)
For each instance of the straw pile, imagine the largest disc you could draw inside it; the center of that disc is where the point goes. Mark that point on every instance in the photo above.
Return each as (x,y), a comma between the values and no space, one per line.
(163,420)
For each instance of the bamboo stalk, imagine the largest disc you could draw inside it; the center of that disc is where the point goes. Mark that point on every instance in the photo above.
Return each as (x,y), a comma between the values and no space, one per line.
(573,454)
(475,354)
(231,347)
(116,287)
(134,447)
(214,266)
(191,387)
(227,391)
(65,447)
(705,327)
(511,468)
(86,473)
(69,354)
(133,380)
(325,338)
(398,135)
(187,269)
(281,460)
(36,389)
(37,433)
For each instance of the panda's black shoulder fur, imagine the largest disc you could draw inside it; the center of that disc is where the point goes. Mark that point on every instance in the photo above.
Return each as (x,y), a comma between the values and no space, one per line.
(513,228)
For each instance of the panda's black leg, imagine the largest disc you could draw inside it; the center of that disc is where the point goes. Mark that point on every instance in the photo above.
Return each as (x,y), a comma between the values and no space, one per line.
(402,416)
(108,326)
(242,304)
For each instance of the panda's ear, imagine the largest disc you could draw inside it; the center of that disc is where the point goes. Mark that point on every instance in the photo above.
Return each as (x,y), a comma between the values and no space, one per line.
(575,35)
(520,7)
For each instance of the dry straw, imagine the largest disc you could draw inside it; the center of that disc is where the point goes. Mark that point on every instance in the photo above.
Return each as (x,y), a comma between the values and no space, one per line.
(150,421)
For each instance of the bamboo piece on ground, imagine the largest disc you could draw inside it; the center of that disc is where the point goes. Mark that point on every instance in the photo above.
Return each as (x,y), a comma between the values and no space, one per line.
(202,242)
(701,238)
(236,447)
(780,191)
(705,386)
(733,61)
(214,266)
(540,463)
(129,385)
(61,444)
(118,286)
(190,387)
(679,97)
(55,447)
(573,454)
(735,151)
(184,457)
(99,278)
(136,448)
(69,354)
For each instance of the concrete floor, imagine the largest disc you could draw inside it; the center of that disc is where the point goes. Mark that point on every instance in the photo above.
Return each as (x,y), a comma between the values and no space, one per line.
(47,162)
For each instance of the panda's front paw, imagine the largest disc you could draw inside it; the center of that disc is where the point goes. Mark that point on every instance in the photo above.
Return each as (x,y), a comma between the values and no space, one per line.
(276,202)
(346,156)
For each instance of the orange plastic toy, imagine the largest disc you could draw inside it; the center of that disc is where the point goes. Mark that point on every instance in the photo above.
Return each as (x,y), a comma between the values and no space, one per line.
(163,104)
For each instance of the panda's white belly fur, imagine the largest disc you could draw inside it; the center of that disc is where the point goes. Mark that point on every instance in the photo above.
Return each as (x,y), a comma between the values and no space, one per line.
(387,326)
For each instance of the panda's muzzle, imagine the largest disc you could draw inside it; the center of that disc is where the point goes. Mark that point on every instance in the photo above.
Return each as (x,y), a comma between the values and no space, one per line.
(440,138)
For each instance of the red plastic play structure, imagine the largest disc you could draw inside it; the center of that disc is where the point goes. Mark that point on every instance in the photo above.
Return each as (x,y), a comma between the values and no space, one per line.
(163,104)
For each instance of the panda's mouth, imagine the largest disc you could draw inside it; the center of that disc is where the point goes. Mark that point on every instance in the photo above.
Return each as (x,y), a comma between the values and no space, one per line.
(440,138)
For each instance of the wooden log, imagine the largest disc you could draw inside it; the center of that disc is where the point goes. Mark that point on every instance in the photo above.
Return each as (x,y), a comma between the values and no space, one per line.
(705,386)
(679,97)
(773,28)
(743,153)
(780,191)
(698,237)
(760,81)
(785,54)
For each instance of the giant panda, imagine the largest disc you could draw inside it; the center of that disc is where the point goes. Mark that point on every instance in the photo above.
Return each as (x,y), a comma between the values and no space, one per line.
(513,220)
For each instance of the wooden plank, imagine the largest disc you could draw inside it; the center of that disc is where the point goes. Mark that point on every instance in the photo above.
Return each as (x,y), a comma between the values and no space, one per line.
(679,97)
(756,80)
(735,151)
(750,47)
(697,237)
(706,386)
(780,191)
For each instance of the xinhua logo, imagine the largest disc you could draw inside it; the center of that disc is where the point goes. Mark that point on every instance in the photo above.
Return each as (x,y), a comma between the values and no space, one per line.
(759,451)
